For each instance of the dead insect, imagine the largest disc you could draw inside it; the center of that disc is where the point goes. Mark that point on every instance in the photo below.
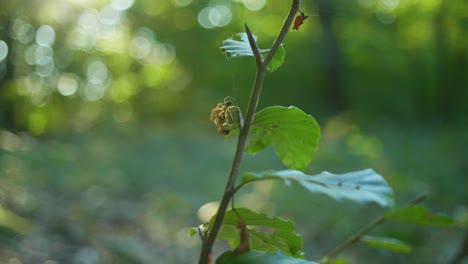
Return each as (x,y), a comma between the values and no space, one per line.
(299,20)
(222,117)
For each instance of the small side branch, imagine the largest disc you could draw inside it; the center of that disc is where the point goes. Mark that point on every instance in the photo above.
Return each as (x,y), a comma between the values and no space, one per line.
(356,236)
(254,47)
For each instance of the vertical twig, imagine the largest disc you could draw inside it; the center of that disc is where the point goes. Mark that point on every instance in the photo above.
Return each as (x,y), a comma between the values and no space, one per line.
(244,131)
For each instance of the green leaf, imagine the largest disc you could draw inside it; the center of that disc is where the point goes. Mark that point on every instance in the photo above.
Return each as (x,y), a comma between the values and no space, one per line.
(259,258)
(417,214)
(277,60)
(293,134)
(238,45)
(360,186)
(13,221)
(274,233)
(192,231)
(390,244)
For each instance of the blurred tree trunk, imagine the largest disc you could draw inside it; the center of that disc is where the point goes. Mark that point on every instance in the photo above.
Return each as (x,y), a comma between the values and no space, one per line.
(441,61)
(332,59)
(6,103)
(450,67)
(460,78)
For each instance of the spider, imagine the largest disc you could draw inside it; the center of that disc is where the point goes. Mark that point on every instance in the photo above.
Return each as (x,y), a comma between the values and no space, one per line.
(221,115)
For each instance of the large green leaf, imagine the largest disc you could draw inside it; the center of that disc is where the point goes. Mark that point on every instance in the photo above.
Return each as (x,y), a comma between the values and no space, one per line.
(257,257)
(418,214)
(265,233)
(293,134)
(360,186)
(238,46)
(390,244)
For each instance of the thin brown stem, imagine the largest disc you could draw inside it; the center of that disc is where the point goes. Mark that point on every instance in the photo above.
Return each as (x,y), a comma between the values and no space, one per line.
(356,236)
(244,131)
(284,30)
(239,186)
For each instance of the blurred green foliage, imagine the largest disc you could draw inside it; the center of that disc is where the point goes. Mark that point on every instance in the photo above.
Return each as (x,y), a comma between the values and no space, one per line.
(107,152)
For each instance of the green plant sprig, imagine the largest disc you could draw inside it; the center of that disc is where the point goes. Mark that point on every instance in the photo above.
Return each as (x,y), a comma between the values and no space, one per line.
(261,66)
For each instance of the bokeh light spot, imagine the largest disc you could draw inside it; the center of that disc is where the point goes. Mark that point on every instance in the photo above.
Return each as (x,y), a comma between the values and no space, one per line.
(94,92)
(109,16)
(35,54)
(22,31)
(161,53)
(41,52)
(45,35)
(67,84)
(203,18)
(142,43)
(89,20)
(254,5)
(29,54)
(140,47)
(45,66)
(96,72)
(219,15)
(3,50)
(392,4)
(145,33)
(181,3)
(122,4)
(206,211)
